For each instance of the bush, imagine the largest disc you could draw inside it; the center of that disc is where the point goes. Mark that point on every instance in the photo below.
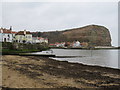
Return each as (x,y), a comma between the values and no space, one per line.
(24,46)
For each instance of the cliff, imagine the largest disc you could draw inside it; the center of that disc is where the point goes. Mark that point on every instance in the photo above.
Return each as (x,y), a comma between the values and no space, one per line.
(93,34)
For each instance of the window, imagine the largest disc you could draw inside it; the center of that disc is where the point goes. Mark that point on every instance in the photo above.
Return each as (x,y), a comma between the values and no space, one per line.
(29,36)
(8,35)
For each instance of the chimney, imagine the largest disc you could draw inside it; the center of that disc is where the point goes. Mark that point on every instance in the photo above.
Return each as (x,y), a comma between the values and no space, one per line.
(1,31)
(11,28)
(24,31)
(1,27)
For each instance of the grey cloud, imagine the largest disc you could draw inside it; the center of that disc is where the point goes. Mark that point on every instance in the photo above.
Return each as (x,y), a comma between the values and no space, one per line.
(0,13)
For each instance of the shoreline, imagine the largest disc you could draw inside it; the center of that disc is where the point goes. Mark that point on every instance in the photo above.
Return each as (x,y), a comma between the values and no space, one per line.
(51,73)
(116,48)
(83,63)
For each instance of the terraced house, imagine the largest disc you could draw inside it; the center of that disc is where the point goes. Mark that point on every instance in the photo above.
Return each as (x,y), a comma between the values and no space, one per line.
(23,37)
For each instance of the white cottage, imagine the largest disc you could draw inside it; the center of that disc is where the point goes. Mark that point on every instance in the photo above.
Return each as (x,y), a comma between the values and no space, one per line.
(39,40)
(23,37)
(35,40)
(6,35)
(76,44)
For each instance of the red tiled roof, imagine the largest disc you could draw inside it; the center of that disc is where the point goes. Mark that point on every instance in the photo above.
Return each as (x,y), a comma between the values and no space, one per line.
(40,38)
(6,31)
(22,33)
(51,44)
(13,32)
(28,32)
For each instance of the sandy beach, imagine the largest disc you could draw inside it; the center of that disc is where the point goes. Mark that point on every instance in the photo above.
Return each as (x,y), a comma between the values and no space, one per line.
(42,72)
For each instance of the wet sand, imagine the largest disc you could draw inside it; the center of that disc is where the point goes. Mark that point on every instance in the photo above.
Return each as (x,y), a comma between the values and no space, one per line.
(42,72)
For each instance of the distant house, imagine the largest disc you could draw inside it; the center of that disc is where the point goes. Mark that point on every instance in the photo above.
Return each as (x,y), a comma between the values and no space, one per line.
(52,45)
(76,44)
(42,40)
(39,40)
(67,44)
(23,37)
(60,44)
(35,40)
(46,40)
(7,35)
(84,44)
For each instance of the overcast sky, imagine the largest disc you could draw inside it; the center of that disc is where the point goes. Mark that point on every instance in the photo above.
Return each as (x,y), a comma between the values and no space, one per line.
(51,16)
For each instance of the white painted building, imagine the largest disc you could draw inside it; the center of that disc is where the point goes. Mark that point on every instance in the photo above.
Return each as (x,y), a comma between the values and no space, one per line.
(0,37)
(39,40)
(6,35)
(76,44)
(46,40)
(35,40)
(60,44)
(23,37)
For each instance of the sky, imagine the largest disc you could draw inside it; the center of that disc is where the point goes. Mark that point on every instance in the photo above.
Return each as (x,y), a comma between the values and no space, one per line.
(52,16)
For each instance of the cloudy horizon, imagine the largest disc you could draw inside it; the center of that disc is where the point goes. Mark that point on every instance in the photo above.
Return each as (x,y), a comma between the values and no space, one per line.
(52,16)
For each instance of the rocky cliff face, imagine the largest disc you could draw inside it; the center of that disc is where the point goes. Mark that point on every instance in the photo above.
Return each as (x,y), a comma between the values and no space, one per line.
(93,34)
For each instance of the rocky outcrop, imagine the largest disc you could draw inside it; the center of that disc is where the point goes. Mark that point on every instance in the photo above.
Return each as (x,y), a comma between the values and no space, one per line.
(93,34)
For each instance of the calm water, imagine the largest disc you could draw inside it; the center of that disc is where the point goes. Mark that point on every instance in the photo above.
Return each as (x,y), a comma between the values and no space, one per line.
(106,58)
